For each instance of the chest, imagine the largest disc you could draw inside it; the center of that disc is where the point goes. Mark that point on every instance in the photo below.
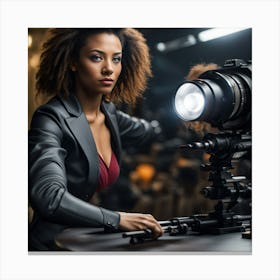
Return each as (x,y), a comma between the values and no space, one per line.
(102,138)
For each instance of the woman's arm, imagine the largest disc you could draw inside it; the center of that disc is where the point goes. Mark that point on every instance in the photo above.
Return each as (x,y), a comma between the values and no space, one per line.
(48,193)
(136,130)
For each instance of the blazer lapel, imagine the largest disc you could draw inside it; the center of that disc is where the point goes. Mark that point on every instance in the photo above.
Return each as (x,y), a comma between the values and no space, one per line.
(79,126)
(81,130)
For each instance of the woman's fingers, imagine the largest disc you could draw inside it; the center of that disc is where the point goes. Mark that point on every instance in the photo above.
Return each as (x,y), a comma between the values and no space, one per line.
(152,223)
(156,229)
(137,221)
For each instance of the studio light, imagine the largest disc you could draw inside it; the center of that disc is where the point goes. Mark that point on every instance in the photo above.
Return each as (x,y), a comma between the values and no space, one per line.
(221,97)
(186,41)
(214,33)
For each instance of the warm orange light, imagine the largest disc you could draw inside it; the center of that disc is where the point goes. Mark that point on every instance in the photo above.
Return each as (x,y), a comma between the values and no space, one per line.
(145,172)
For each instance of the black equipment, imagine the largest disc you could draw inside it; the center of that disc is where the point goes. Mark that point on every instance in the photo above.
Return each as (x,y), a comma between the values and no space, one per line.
(221,97)
(201,223)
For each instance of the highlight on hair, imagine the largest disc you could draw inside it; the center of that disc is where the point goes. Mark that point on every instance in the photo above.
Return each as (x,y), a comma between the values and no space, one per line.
(198,69)
(61,49)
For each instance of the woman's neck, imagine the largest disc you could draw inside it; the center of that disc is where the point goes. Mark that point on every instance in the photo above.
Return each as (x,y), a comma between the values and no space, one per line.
(90,104)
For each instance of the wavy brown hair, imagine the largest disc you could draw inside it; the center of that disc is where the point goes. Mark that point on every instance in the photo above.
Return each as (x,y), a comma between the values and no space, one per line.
(62,47)
(198,69)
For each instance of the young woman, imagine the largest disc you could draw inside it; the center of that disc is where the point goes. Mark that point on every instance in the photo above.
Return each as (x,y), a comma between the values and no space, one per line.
(76,138)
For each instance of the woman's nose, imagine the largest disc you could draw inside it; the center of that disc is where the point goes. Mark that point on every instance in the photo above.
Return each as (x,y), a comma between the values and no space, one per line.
(107,69)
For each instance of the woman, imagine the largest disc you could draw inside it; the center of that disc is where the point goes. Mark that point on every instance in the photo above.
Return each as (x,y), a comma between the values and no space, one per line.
(75,140)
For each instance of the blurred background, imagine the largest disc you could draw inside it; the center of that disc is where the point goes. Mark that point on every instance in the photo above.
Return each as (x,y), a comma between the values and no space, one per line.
(161,179)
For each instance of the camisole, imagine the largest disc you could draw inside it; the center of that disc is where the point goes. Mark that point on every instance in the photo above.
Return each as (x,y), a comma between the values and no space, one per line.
(107,175)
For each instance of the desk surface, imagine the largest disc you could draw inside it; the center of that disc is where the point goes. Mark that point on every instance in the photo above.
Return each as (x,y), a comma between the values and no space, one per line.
(95,240)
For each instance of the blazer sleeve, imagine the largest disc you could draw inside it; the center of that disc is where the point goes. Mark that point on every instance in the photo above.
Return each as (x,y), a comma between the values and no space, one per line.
(47,178)
(135,130)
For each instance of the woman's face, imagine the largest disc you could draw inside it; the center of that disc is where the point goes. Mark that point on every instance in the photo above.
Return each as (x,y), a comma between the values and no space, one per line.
(99,65)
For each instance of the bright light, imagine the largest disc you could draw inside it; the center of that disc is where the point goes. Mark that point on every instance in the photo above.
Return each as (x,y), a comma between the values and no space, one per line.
(29,41)
(161,47)
(214,33)
(189,102)
(194,102)
(179,43)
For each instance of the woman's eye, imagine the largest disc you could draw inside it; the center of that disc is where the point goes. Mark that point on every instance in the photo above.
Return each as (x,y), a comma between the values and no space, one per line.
(117,59)
(96,58)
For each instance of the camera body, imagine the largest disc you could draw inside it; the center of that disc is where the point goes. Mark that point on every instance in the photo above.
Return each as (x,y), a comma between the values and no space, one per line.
(235,81)
(221,97)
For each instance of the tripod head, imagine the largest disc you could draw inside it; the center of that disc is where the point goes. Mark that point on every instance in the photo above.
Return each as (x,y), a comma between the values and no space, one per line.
(223,148)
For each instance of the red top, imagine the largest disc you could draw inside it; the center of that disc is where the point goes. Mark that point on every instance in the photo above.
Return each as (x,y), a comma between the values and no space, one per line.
(108,175)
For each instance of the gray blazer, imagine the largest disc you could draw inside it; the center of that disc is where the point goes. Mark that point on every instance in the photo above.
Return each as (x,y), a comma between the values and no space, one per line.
(64,167)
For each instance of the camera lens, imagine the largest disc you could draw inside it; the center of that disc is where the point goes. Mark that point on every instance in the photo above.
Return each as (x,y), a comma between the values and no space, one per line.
(189,101)
(221,97)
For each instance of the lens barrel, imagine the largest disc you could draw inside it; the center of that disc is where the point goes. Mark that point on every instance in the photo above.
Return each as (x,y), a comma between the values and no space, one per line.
(221,97)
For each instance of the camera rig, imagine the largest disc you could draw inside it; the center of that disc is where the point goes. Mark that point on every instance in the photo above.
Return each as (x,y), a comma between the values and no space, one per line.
(221,97)
(225,188)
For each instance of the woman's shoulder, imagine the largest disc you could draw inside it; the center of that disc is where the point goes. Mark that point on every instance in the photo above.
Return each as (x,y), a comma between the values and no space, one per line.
(51,111)
(54,104)
(62,106)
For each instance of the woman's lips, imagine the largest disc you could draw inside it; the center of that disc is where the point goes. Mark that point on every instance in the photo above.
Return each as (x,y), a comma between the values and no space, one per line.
(107,82)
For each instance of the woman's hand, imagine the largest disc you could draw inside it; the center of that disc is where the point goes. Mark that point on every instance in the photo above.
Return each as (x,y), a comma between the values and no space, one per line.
(137,221)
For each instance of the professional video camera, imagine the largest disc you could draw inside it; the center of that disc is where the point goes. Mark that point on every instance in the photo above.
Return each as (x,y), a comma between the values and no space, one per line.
(221,97)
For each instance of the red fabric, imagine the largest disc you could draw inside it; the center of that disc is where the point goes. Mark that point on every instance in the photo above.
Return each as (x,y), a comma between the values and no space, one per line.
(108,175)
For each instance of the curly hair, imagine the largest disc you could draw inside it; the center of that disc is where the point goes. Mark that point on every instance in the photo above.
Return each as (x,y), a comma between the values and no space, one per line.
(54,76)
(198,69)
